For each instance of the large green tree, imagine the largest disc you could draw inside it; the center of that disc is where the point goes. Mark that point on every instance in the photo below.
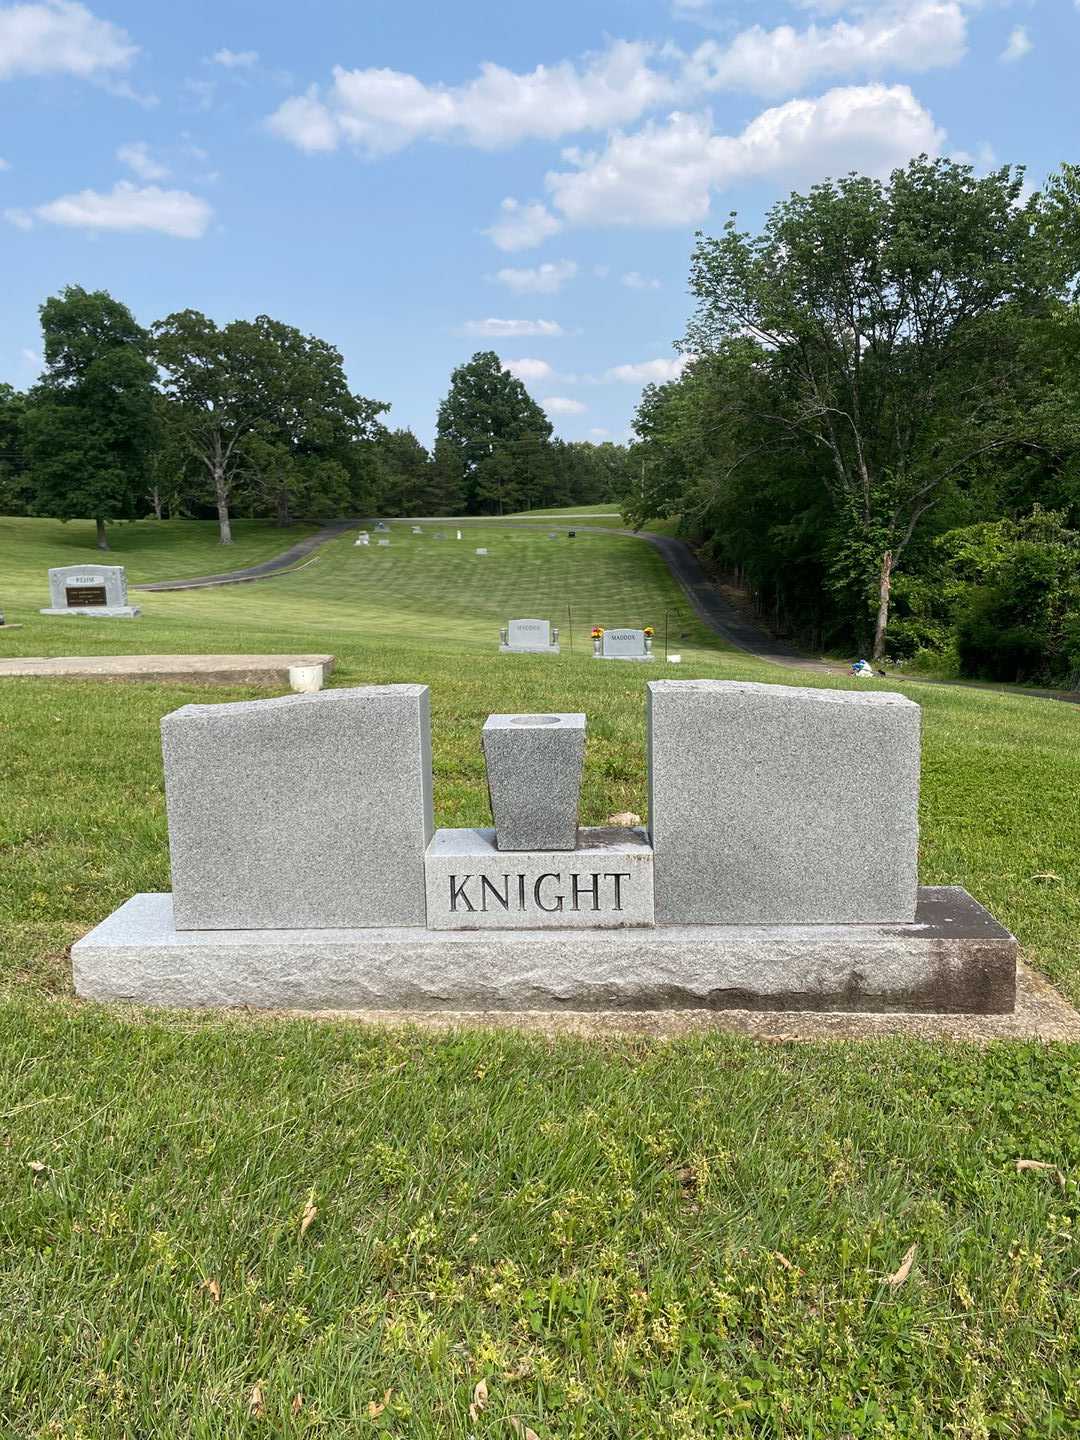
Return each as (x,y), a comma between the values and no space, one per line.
(90,425)
(257,403)
(493,436)
(15,489)
(889,323)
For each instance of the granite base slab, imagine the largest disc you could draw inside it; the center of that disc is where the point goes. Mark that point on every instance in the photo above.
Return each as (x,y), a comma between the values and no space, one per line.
(100,612)
(529,649)
(953,959)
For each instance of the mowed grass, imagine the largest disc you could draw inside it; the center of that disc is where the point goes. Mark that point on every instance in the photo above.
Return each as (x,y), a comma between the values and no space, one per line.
(148,549)
(620,1238)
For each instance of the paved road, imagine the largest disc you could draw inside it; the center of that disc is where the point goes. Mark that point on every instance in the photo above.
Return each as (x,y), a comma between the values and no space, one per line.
(284,561)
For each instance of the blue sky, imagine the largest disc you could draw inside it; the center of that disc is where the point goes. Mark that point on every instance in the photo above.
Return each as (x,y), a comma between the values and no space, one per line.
(419,179)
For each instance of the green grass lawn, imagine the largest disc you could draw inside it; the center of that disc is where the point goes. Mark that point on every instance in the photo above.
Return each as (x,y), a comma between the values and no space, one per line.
(622,1238)
(149,549)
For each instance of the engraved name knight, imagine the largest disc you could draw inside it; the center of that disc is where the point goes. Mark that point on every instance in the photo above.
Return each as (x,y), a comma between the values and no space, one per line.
(550,891)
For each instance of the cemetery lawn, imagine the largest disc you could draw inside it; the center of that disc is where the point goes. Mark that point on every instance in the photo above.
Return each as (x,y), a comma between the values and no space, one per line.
(620,1238)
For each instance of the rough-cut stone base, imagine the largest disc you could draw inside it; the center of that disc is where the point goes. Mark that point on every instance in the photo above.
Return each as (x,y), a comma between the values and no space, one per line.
(954,959)
(101,612)
(528,649)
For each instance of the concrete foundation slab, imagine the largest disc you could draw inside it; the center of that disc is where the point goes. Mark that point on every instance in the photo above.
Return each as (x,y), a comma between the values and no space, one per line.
(100,612)
(202,669)
(953,959)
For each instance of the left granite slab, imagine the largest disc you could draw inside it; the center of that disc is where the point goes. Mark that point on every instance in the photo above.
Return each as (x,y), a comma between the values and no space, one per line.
(300,812)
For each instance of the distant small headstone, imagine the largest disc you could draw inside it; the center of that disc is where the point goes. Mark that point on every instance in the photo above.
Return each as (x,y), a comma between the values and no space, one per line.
(363,538)
(572,534)
(481,550)
(459,534)
(381,525)
(529,637)
(99,590)
(416,530)
(623,645)
(384,542)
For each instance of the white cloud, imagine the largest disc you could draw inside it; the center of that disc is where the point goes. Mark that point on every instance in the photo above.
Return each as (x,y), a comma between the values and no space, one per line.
(634,280)
(31,357)
(234,59)
(305,122)
(382,110)
(925,35)
(546,279)
(650,371)
(528,370)
(562,405)
(130,207)
(513,329)
(599,433)
(522,226)
(665,173)
(1019,45)
(61,37)
(5,165)
(21,219)
(136,156)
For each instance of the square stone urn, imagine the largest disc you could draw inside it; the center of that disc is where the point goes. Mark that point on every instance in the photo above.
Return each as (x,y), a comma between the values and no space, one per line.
(534,765)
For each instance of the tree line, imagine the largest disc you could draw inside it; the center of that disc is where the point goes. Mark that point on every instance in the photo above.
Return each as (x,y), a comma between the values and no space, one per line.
(878,430)
(254,418)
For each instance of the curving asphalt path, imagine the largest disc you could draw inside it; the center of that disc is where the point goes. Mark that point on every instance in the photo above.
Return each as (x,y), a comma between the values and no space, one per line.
(285,561)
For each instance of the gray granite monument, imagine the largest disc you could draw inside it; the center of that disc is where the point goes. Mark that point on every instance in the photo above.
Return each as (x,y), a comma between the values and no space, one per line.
(529,637)
(305,812)
(777,872)
(623,644)
(94,590)
(780,805)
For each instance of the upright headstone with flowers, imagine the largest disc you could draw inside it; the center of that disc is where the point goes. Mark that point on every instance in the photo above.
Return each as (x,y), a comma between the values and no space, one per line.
(622,644)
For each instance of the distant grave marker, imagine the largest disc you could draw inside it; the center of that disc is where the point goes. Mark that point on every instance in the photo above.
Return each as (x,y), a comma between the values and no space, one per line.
(529,637)
(623,645)
(95,590)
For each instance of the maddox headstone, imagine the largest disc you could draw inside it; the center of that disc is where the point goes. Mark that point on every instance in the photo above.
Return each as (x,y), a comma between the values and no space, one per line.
(95,590)
(529,637)
(624,645)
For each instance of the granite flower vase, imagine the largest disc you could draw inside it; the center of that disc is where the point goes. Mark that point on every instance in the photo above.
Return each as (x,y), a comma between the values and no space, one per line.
(534,765)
